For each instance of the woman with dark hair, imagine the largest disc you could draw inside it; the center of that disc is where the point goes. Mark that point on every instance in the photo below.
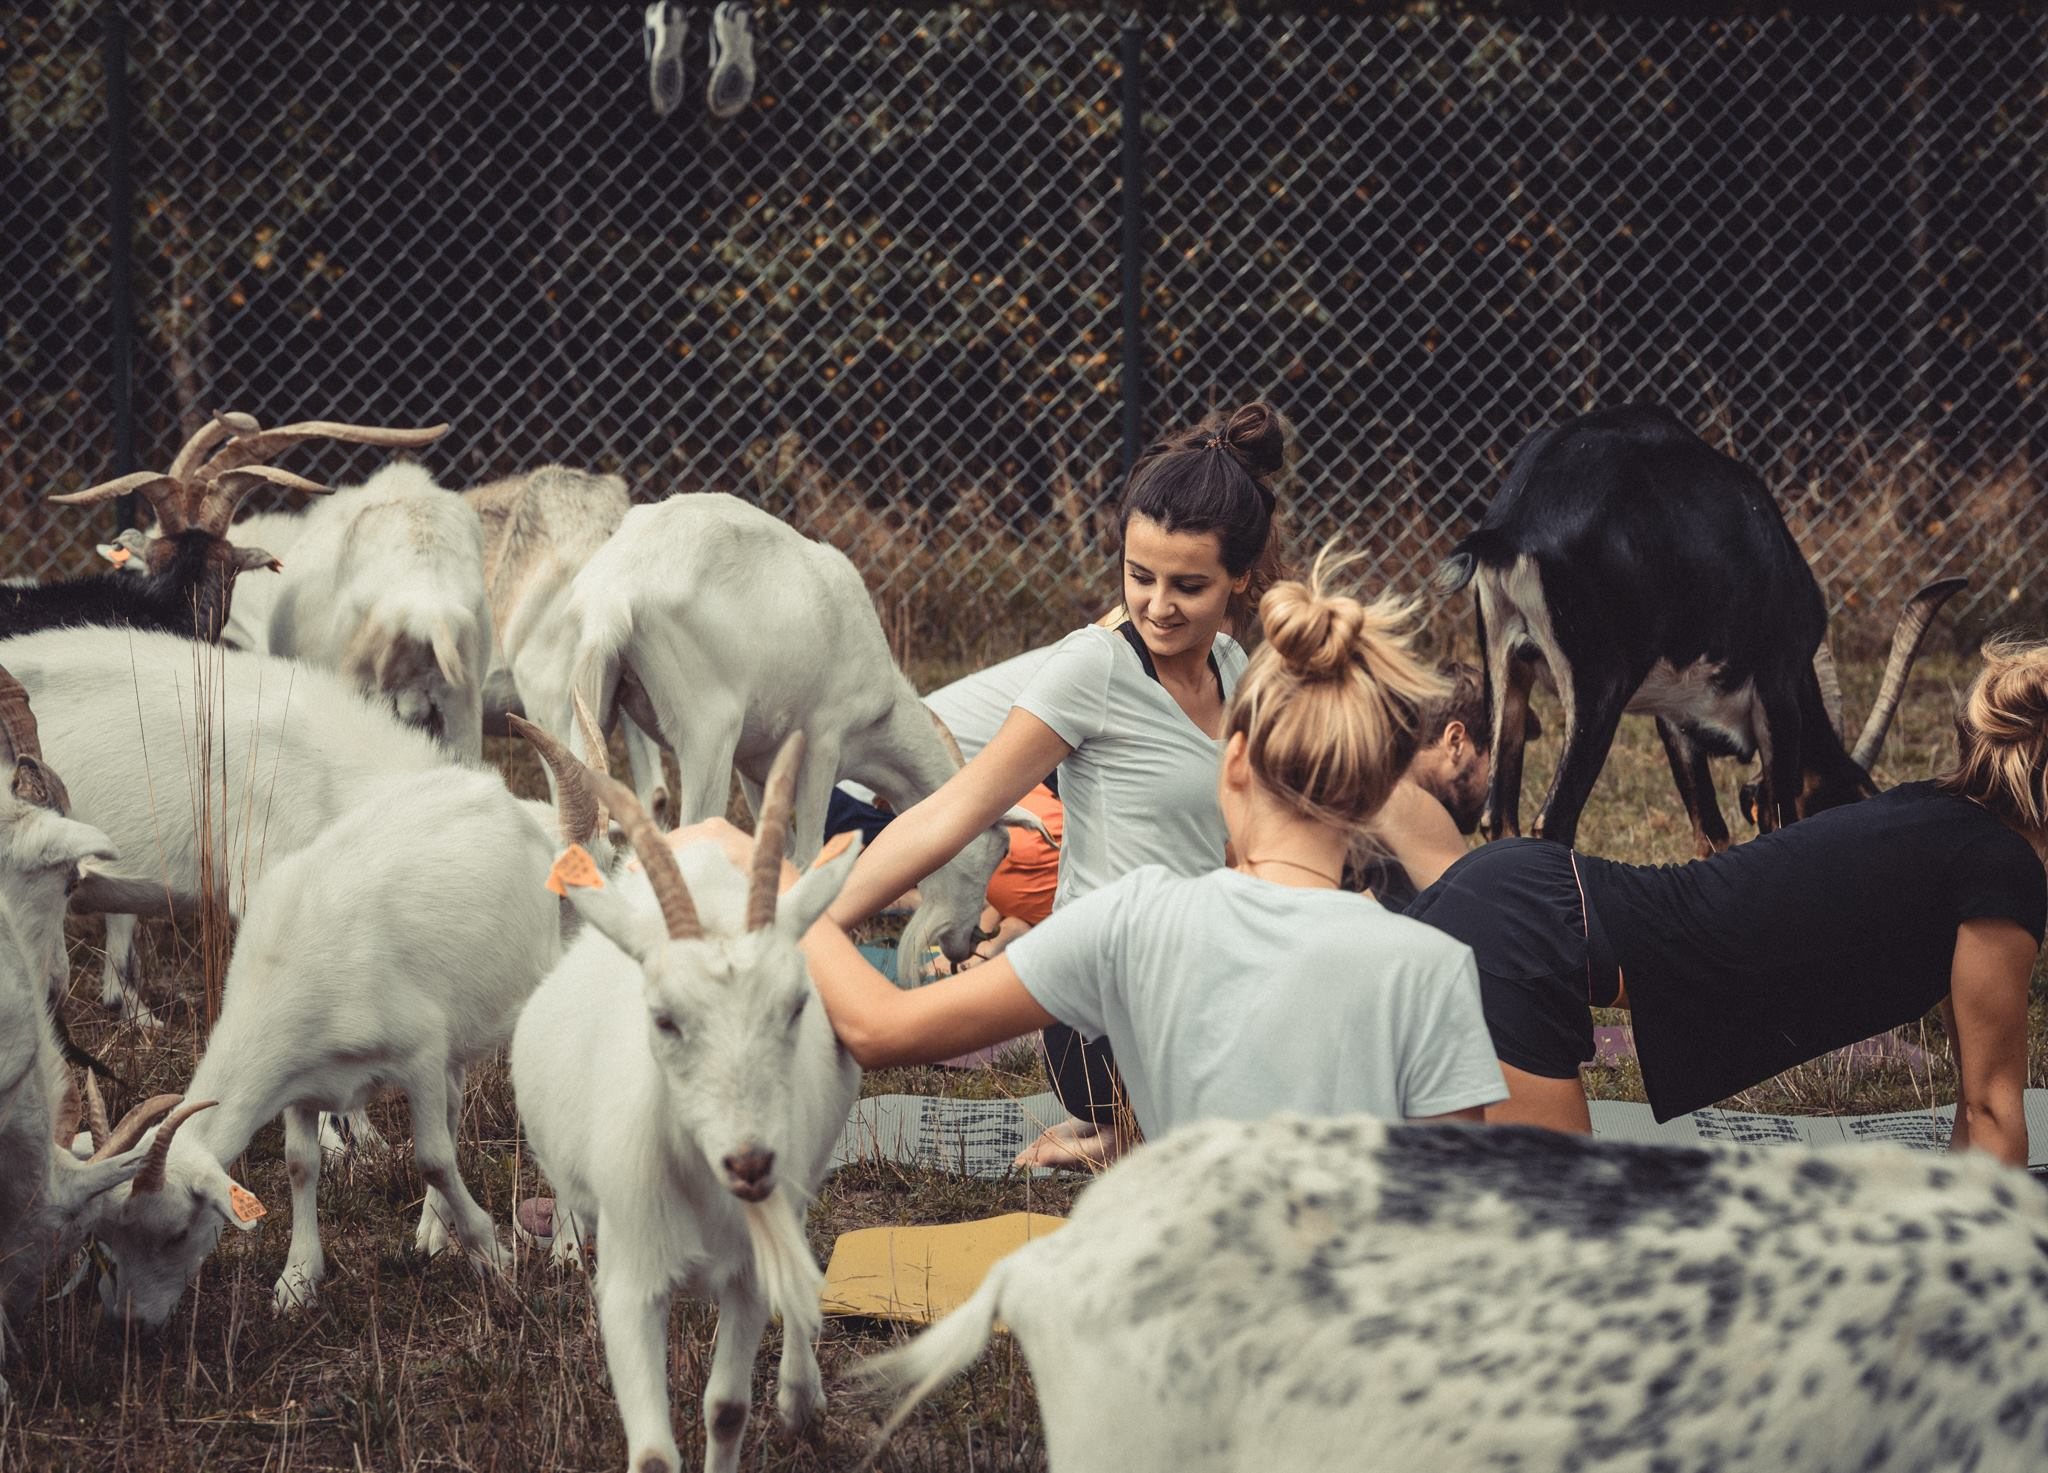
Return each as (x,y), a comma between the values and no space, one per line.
(1815,936)
(1131,716)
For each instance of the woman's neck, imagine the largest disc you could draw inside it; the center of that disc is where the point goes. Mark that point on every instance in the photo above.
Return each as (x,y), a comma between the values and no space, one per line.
(1188,668)
(1294,851)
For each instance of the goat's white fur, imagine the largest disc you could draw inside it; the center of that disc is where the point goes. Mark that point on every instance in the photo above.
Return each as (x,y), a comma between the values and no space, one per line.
(1343,1294)
(540,528)
(386,585)
(741,631)
(391,952)
(631,1125)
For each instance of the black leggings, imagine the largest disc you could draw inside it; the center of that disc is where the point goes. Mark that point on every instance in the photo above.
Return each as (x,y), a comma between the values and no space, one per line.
(1083,1074)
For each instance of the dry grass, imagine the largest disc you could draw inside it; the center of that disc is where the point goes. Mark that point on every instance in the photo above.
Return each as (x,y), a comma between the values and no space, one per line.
(407,1364)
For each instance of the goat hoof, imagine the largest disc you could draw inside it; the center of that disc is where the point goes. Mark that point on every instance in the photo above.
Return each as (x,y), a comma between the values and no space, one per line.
(430,1239)
(296,1292)
(799,1408)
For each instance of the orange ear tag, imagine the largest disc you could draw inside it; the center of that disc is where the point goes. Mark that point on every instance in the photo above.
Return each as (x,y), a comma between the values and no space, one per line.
(574,866)
(118,556)
(247,1208)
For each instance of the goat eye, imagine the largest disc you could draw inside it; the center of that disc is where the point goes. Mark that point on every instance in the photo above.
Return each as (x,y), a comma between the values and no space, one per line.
(666,1026)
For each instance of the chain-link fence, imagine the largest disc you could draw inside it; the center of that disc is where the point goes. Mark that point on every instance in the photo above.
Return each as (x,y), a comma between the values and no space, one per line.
(889,300)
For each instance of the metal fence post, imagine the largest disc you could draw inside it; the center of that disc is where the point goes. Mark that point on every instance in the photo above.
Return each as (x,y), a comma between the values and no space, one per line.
(1132,142)
(120,240)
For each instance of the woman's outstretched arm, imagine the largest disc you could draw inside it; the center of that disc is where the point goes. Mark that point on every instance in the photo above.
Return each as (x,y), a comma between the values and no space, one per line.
(929,833)
(883,1024)
(1988,1000)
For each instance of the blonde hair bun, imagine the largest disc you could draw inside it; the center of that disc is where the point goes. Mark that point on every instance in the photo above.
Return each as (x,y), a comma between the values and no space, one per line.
(2002,736)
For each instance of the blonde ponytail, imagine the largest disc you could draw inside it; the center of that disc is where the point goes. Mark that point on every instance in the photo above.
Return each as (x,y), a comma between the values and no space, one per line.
(2002,737)
(1330,707)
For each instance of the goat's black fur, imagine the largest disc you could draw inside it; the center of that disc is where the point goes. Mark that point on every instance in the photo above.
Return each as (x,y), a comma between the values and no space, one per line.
(187,595)
(1649,547)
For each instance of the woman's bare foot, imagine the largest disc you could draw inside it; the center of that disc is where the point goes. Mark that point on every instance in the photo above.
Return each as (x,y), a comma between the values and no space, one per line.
(1074,1145)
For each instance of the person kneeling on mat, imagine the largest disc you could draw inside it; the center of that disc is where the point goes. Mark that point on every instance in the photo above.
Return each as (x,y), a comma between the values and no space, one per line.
(1247,990)
(1810,938)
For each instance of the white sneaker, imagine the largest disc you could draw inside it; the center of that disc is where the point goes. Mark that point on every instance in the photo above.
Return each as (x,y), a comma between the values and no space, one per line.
(731,86)
(662,41)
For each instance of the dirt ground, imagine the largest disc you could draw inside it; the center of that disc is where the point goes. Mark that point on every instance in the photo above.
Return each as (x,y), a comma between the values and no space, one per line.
(408,1364)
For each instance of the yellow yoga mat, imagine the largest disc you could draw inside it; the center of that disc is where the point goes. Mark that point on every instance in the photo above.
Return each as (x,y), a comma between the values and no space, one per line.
(918,1273)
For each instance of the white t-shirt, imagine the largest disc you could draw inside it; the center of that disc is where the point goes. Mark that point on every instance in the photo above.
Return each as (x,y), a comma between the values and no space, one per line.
(1140,785)
(1227,996)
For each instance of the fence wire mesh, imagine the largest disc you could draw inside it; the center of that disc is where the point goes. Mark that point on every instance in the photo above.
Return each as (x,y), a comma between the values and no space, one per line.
(885,301)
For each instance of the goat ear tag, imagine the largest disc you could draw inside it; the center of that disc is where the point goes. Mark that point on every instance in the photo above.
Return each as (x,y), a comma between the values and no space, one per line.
(244,1203)
(114,554)
(574,866)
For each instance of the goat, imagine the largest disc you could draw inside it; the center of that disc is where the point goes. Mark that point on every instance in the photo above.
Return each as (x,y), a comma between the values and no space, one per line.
(685,1013)
(735,631)
(1644,571)
(44,1189)
(387,586)
(540,528)
(1344,1293)
(392,951)
(190,569)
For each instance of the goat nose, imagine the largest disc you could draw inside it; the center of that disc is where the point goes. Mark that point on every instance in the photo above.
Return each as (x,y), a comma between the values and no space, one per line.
(750,1166)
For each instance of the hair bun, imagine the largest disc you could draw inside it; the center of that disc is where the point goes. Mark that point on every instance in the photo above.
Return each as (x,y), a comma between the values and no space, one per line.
(1257,435)
(1315,635)
(2010,703)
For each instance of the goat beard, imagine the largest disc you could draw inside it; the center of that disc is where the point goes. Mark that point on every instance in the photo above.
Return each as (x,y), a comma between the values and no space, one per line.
(783,1265)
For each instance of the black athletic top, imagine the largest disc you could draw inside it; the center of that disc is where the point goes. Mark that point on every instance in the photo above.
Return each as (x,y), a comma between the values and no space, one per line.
(1806,939)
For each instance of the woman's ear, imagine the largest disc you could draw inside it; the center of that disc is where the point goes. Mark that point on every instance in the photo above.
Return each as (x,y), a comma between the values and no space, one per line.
(1237,765)
(1241,582)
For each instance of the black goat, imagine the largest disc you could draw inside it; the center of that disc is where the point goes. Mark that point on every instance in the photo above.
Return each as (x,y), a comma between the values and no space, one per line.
(1644,571)
(192,567)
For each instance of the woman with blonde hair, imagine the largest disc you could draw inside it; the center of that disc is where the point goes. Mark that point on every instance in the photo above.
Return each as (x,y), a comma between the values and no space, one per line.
(1235,992)
(1815,936)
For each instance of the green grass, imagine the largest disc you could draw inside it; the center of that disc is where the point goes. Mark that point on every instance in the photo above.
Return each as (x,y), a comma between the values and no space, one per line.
(407,1364)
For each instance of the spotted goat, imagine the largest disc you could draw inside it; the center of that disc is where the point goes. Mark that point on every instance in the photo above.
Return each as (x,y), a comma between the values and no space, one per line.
(1346,1294)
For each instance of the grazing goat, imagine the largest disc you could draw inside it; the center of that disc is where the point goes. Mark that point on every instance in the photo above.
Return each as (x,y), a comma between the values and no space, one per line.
(737,631)
(391,952)
(1644,571)
(386,585)
(44,1189)
(539,530)
(1337,1294)
(682,1089)
(190,569)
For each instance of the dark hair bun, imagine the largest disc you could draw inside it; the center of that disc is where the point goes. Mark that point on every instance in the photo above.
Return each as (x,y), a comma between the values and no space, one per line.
(1257,436)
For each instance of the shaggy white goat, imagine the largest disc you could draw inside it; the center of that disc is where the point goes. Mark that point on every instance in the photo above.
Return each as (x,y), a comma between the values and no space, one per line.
(682,1089)
(386,585)
(392,952)
(740,631)
(1338,1294)
(539,530)
(43,1187)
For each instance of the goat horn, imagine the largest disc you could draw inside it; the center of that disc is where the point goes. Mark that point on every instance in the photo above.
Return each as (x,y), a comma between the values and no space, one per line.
(291,481)
(65,1124)
(17,722)
(947,739)
(1830,684)
(96,1113)
(656,858)
(151,1177)
(1907,638)
(771,833)
(203,439)
(134,1125)
(578,809)
(247,450)
(213,508)
(147,483)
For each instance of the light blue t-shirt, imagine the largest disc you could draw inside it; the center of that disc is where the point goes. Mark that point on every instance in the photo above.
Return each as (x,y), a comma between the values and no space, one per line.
(1227,996)
(1140,785)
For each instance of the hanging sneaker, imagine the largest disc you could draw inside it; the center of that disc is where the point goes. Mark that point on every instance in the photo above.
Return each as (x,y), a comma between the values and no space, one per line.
(662,39)
(731,86)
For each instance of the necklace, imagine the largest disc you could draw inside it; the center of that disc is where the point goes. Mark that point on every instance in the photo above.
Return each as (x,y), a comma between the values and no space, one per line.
(1305,869)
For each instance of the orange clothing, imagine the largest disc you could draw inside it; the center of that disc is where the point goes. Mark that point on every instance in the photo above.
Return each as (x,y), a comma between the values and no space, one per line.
(1024,883)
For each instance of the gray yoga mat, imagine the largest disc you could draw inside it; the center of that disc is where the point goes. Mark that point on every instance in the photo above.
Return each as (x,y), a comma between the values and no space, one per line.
(980,1138)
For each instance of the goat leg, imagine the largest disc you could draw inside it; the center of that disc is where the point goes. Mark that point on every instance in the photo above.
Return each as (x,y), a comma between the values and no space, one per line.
(1695,783)
(1591,718)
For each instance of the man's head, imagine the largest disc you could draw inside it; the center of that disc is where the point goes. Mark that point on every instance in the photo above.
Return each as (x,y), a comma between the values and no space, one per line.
(1453,763)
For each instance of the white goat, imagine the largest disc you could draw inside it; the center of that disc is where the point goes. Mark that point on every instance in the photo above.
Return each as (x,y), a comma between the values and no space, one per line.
(1340,1294)
(740,631)
(386,585)
(392,952)
(44,1189)
(539,530)
(682,1089)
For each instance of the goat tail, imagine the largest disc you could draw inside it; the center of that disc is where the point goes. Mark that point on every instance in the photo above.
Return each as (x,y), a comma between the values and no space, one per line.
(1456,570)
(935,1357)
(604,623)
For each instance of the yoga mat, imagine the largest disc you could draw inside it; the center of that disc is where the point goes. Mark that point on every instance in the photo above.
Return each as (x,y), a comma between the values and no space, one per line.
(916,1274)
(980,1138)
